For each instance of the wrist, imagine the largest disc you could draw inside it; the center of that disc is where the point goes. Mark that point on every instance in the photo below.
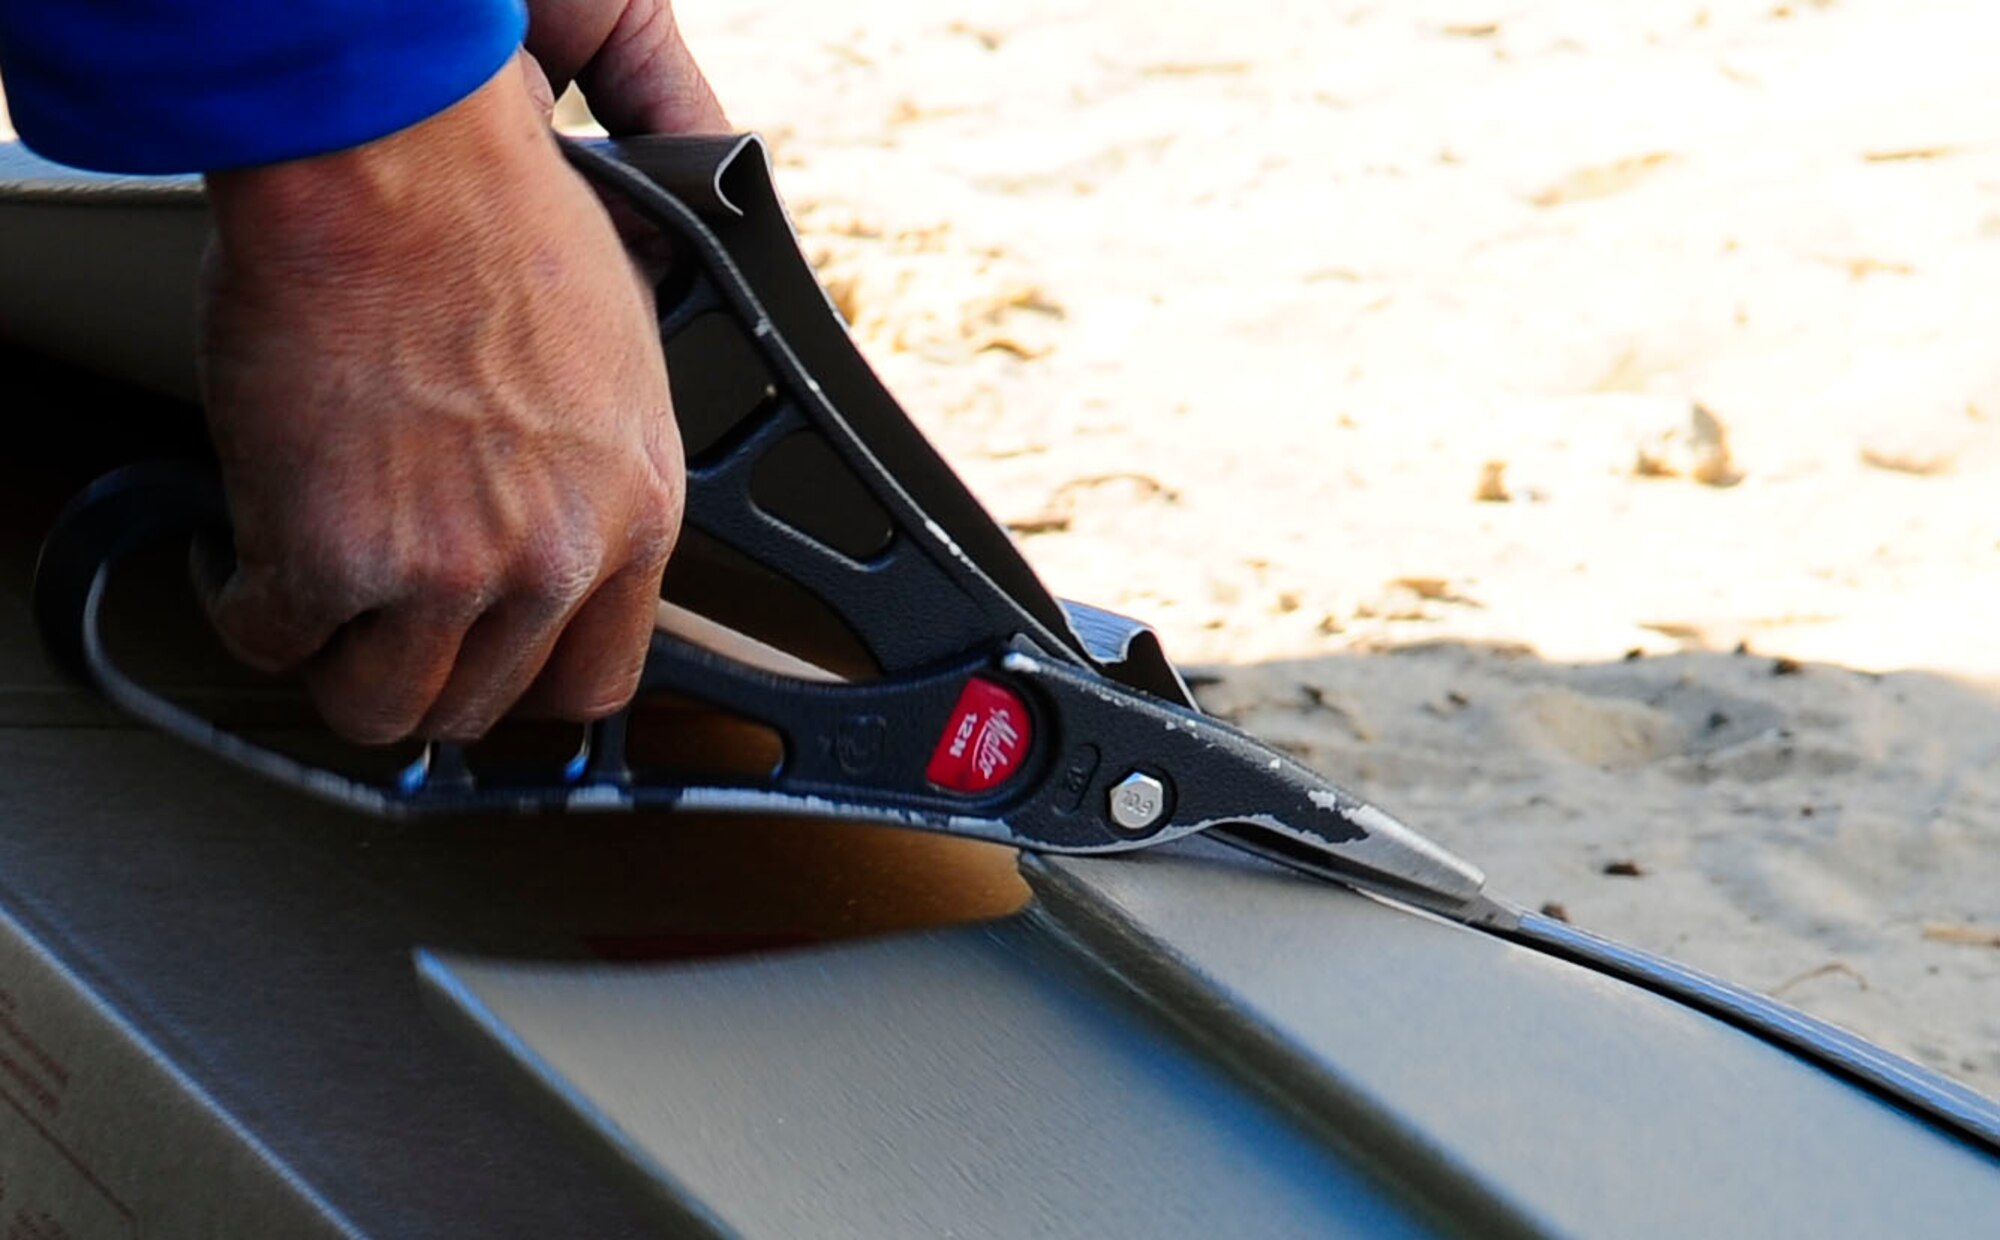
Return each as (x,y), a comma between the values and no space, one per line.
(409,191)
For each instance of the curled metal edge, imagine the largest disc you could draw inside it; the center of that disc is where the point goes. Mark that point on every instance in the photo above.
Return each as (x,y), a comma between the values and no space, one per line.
(1928,1094)
(693,169)
(1909,1085)
(1128,650)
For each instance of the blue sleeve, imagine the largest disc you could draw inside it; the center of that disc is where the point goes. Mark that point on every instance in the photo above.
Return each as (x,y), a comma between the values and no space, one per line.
(160,86)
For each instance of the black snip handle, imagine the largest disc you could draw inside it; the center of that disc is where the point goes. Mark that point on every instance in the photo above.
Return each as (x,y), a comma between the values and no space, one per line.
(1004,743)
(799,461)
(133,507)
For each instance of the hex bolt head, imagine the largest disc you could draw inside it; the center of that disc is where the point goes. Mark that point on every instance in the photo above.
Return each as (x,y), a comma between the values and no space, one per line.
(1137,801)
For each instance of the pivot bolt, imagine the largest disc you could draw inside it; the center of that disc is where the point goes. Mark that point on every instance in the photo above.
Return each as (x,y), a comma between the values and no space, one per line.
(1137,801)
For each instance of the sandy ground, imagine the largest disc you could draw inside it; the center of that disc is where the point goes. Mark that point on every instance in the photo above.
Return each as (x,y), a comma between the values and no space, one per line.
(1459,386)
(1574,425)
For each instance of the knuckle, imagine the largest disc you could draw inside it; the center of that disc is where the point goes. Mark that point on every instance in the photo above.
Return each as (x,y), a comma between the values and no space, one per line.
(451,580)
(330,573)
(667,490)
(656,526)
(561,571)
(462,592)
(595,698)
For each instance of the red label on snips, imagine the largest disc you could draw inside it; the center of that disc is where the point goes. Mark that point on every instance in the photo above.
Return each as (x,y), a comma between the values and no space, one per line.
(984,740)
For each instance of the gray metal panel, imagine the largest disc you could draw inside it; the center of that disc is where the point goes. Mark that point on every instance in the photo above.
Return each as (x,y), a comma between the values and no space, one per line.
(100,270)
(265,950)
(1599,1108)
(966,1083)
(932,1078)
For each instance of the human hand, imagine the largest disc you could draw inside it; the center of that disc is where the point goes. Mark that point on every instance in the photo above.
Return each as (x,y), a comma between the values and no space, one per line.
(438,397)
(628,58)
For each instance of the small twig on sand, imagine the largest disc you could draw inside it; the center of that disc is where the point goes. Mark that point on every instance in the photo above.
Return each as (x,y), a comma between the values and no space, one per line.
(1969,936)
(1831,966)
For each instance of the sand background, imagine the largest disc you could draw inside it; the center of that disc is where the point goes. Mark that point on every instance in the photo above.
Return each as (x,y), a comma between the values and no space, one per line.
(1235,311)
(1575,426)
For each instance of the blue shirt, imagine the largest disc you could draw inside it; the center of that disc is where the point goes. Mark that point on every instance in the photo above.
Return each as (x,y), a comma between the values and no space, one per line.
(161,86)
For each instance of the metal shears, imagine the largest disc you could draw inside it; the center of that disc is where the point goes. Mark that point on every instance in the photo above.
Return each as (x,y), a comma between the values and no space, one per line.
(957,696)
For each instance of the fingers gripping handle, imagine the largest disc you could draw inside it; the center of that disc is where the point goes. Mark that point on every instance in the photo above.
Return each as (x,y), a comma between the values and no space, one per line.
(830,767)
(160,503)
(124,512)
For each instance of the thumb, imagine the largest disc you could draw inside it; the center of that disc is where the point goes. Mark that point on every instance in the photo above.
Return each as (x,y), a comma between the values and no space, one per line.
(644,80)
(540,92)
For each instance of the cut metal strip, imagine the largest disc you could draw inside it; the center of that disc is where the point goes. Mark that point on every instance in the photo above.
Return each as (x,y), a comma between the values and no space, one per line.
(1930,1094)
